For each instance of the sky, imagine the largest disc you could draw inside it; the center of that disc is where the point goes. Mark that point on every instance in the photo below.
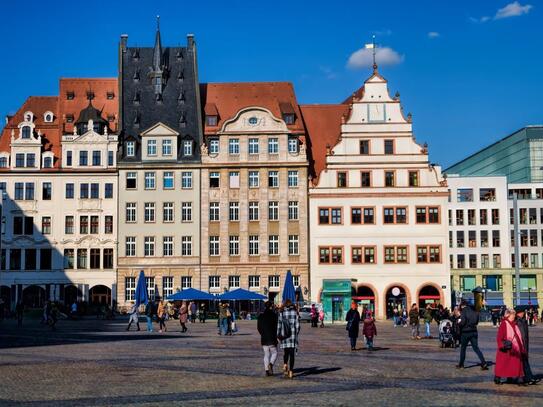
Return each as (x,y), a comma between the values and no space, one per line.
(470,72)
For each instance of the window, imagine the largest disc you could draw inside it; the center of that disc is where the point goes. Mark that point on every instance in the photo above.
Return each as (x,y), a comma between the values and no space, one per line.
(94,258)
(94,225)
(131,180)
(369,217)
(46,225)
(3,162)
(167,286)
(253,146)
(233,211)
(459,217)
(186,245)
(253,211)
(69,191)
(213,146)
(493,282)
(532,216)
(150,284)
(472,261)
(96,158)
(130,148)
(330,216)
(167,212)
(29,191)
(394,215)
(288,118)
(273,245)
(293,210)
(15,259)
(459,238)
(483,219)
(254,282)
(68,259)
(421,215)
(292,178)
(214,180)
(167,180)
(83,225)
(533,237)
(254,179)
(214,246)
(25,132)
(428,254)
(495,238)
(273,145)
(342,179)
(151,148)
(233,245)
(356,255)
(365,179)
(484,238)
(487,194)
(273,281)
(495,216)
(186,179)
(186,211)
(186,282)
(108,191)
(30,160)
(467,283)
(364,147)
(68,158)
(464,195)
(149,212)
(292,145)
(214,212)
(18,225)
(81,258)
(69,225)
(233,178)
(422,254)
(211,120)
(401,215)
(19,160)
(108,224)
(214,282)
(496,261)
(413,178)
(233,146)
(46,191)
(166,147)
(94,191)
(389,179)
(331,255)
(47,162)
(389,147)
(150,181)
(471,217)
(254,245)
(233,282)
(149,246)
(293,245)
(83,158)
(130,212)
(187,147)
(273,179)
(167,246)
(130,246)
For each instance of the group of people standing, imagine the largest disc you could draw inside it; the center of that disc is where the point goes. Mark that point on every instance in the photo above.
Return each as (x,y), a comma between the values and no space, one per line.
(160,311)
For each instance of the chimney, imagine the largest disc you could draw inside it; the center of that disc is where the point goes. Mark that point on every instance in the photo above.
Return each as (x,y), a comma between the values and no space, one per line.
(190,40)
(124,41)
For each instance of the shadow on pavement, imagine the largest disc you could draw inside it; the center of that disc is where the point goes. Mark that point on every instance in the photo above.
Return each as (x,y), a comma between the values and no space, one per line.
(315,370)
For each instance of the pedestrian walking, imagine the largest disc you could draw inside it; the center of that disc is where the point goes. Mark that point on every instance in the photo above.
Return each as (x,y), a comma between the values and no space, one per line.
(288,330)
(369,330)
(183,316)
(193,312)
(469,319)
(523,328)
(414,319)
(395,317)
(134,316)
(404,318)
(19,310)
(73,310)
(531,314)
(223,319)
(161,315)
(353,324)
(428,321)
(267,328)
(510,350)
(149,312)
(202,314)
(53,317)
(321,317)
(314,316)
(46,313)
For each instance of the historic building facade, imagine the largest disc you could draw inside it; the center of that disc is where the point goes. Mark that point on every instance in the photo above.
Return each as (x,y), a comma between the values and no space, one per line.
(57,169)
(159,168)
(378,208)
(254,189)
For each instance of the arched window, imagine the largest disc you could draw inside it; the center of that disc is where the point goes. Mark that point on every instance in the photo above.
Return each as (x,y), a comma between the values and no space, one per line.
(26,132)
(47,162)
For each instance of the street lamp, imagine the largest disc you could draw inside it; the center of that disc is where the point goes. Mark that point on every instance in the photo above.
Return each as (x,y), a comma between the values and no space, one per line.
(529,296)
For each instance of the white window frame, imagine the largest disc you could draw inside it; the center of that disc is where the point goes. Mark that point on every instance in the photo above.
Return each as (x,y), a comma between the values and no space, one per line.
(293,210)
(167,147)
(273,176)
(167,246)
(131,148)
(131,212)
(233,179)
(233,245)
(214,146)
(149,213)
(214,246)
(150,180)
(293,245)
(254,179)
(233,146)
(273,245)
(186,180)
(214,211)
(187,148)
(130,246)
(273,210)
(186,282)
(168,175)
(168,212)
(254,282)
(214,282)
(254,211)
(233,282)
(292,145)
(186,245)
(254,245)
(254,146)
(293,178)
(186,211)
(152,148)
(233,211)
(273,145)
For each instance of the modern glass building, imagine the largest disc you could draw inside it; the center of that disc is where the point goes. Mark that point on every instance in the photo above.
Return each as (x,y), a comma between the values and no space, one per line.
(518,156)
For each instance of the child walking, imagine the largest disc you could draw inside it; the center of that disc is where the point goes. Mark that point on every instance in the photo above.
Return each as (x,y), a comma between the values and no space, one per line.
(369,330)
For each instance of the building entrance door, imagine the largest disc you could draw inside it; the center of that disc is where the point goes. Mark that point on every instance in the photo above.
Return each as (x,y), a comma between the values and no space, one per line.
(337,308)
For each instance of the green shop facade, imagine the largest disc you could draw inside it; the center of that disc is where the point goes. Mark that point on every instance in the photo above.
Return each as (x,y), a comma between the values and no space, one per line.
(337,296)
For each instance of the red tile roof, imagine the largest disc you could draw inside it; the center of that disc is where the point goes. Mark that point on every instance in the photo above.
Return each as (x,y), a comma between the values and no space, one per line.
(229,98)
(323,125)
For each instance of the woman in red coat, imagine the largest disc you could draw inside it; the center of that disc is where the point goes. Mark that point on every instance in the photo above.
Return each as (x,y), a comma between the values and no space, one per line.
(510,350)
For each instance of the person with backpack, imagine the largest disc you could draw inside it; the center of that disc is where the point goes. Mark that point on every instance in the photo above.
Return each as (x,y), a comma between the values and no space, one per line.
(267,328)
(353,324)
(288,330)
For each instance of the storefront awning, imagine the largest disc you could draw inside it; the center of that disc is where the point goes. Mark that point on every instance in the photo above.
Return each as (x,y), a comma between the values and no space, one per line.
(494,302)
(429,297)
(372,298)
(526,301)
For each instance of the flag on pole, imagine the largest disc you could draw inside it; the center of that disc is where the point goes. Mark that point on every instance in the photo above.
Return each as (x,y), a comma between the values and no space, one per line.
(369,46)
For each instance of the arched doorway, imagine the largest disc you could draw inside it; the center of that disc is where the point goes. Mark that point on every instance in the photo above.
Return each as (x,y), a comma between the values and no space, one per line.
(365,297)
(396,297)
(100,295)
(71,294)
(34,296)
(429,294)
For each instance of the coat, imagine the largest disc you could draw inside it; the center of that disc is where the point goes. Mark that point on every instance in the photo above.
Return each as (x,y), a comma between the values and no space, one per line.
(267,328)
(183,314)
(369,330)
(469,318)
(161,312)
(354,316)
(509,363)
(414,316)
(291,315)
(523,328)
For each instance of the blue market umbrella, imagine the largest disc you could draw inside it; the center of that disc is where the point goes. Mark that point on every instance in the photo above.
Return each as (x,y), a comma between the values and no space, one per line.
(289,292)
(191,294)
(141,290)
(240,294)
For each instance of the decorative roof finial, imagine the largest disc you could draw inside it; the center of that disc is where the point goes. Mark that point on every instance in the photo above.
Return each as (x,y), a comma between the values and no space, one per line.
(158,22)
(373,48)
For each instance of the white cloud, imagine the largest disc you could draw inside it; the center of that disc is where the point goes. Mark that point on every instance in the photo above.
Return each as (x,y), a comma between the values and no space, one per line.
(363,58)
(328,72)
(433,34)
(513,10)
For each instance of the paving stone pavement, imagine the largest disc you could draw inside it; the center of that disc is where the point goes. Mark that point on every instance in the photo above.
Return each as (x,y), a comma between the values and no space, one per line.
(97,363)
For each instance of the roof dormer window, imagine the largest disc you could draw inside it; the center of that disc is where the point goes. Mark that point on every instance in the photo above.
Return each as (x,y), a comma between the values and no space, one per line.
(69,118)
(110,95)
(29,117)
(90,95)
(288,118)
(48,117)
(25,132)
(70,95)
(211,120)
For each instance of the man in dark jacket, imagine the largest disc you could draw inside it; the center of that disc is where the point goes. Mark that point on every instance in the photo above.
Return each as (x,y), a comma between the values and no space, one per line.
(523,328)
(267,328)
(149,312)
(469,319)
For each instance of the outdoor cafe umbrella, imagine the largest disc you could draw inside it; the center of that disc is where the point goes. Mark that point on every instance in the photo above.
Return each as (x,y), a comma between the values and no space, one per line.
(289,292)
(242,295)
(141,290)
(191,294)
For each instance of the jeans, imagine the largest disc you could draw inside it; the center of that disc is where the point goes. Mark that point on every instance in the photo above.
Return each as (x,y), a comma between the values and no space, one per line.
(427,325)
(470,337)
(288,357)
(162,323)
(369,342)
(353,342)
(149,323)
(223,326)
(415,330)
(270,355)
(395,321)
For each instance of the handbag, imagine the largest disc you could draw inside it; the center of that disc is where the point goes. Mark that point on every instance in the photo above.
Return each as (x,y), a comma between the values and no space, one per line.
(349,325)
(507,345)
(285,331)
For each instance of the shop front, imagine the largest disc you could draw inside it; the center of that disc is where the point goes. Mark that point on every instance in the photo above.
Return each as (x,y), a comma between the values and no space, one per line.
(336,299)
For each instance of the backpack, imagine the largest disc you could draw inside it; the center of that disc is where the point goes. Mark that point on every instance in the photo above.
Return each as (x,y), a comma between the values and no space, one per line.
(286,331)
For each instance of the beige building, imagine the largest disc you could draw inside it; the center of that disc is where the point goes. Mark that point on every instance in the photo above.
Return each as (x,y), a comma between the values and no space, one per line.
(254,189)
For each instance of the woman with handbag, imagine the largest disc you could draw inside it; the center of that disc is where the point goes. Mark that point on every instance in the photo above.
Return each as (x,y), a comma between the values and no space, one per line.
(510,350)
(288,329)
(353,324)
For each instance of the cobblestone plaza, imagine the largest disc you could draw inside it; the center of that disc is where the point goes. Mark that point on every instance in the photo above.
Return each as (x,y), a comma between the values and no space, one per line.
(91,363)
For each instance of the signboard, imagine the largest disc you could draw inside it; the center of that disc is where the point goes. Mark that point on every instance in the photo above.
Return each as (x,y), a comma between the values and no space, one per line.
(396,291)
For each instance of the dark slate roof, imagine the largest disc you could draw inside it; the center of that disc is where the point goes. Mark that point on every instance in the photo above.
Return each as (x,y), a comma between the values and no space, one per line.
(178,106)
(91,113)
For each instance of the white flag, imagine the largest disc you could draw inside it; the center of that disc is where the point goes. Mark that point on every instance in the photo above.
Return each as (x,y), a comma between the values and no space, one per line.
(369,46)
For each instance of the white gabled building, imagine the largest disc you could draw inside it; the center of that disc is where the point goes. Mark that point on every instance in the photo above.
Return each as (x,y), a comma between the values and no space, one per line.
(377,207)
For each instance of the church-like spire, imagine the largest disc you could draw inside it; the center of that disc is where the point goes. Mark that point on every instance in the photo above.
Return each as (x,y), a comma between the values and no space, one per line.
(157,51)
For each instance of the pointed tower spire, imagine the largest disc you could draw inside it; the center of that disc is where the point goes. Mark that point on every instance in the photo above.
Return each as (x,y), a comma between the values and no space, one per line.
(157,51)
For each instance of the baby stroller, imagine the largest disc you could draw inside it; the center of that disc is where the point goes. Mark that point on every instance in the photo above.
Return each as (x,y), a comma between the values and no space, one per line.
(446,338)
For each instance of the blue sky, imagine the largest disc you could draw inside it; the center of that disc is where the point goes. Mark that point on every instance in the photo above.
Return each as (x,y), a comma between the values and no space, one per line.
(476,80)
